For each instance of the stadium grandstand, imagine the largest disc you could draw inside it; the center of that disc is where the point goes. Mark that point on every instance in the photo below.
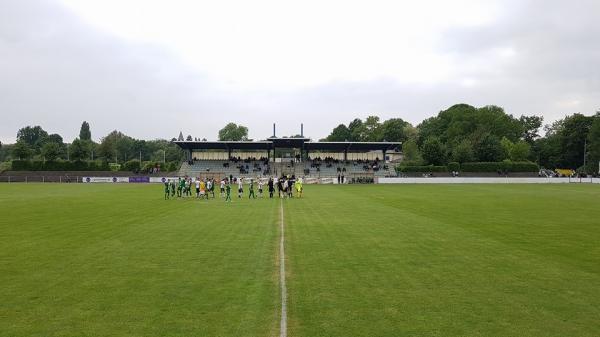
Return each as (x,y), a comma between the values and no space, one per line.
(288,156)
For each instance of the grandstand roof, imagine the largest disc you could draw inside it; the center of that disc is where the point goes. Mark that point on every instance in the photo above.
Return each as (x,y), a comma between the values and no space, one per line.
(301,143)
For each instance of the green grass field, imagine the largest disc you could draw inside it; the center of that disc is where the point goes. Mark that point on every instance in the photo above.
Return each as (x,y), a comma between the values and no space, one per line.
(379,260)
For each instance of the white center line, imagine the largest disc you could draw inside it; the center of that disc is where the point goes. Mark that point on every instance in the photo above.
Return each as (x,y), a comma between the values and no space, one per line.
(283,323)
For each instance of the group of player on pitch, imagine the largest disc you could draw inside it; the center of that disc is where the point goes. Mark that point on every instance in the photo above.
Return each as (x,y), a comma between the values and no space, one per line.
(205,188)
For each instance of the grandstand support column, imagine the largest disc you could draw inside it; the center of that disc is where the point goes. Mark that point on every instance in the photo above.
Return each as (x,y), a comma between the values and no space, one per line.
(228,153)
(189,155)
(346,155)
(383,159)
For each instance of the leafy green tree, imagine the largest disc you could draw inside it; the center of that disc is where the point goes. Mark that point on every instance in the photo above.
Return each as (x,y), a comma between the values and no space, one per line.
(411,132)
(79,150)
(411,153)
(520,151)
(22,150)
(433,151)
(573,136)
(593,147)
(463,152)
(394,130)
(50,151)
(373,132)
(463,121)
(34,136)
(488,149)
(507,147)
(108,146)
(233,132)
(530,126)
(340,133)
(357,130)
(84,131)
(189,138)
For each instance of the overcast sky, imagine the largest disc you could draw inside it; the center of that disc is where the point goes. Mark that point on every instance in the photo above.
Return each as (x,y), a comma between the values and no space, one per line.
(153,68)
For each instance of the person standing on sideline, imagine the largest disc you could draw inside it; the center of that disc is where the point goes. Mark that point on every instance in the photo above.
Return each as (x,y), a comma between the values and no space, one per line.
(222,188)
(251,190)
(197,188)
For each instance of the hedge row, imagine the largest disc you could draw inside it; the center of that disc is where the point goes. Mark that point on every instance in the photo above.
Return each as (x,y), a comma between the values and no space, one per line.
(60,165)
(37,165)
(474,167)
(500,166)
(421,169)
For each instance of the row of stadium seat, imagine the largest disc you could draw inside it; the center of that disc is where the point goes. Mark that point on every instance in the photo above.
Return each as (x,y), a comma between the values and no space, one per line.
(259,168)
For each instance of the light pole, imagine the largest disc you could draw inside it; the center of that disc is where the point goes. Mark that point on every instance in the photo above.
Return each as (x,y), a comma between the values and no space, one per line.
(164,156)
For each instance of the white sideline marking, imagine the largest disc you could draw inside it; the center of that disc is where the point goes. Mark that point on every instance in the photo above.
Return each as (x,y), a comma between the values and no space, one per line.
(283,323)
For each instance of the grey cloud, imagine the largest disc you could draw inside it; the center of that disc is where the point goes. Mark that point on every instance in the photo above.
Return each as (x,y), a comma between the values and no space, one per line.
(56,71)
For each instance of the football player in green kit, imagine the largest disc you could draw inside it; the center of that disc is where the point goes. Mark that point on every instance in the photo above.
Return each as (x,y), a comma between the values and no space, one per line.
(167,185)
(228,191)
(251,193)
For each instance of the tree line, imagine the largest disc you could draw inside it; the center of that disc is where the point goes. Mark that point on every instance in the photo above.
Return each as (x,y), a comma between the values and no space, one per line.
(463,133)
(33,142)
(459,134)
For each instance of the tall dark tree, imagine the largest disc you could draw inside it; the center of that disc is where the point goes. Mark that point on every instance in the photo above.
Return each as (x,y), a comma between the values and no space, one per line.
(340,133)
(488,149)
(22,150)
(411,152)
(373,132)
(50,151)
(357,130)
(394,130)
(531,126)
(84,131)
(593,146)
(34,136)
(433,151)
(79,150)
(463,152)
(573,137)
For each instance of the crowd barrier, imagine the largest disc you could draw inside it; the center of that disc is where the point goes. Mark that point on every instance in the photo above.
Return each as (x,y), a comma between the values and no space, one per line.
(308,180)
(488,180)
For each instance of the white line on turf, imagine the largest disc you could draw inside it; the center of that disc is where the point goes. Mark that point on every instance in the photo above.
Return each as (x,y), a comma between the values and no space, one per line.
(283,323)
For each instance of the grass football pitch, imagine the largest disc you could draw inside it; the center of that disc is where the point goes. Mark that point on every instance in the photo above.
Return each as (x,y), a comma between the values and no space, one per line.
(378,260)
